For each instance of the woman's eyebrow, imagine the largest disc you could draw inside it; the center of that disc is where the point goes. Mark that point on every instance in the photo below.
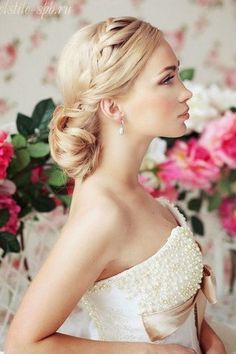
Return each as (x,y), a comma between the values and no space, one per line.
(171,67)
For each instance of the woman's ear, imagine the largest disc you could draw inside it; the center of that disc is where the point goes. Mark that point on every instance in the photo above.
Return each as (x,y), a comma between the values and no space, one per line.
(110,109)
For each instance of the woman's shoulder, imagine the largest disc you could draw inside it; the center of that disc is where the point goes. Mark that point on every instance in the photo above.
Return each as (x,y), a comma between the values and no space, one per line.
(97,209)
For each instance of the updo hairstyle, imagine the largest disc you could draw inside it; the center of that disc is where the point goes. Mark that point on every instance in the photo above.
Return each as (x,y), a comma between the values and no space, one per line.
(99,61)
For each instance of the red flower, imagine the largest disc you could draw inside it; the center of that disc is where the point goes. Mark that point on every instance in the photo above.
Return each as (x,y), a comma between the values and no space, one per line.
(6,153)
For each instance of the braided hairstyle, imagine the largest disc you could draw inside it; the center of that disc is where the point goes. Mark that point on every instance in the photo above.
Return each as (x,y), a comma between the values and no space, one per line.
(99,61)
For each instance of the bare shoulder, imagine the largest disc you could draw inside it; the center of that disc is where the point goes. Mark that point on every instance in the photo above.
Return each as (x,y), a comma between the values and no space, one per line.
(98,214)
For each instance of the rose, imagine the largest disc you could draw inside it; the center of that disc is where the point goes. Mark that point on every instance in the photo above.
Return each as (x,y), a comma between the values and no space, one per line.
(6,153)
(191,164)
(227,214)
(12,225)
(219,138)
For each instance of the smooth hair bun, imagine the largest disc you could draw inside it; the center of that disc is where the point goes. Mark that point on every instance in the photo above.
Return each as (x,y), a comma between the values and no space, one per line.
(99,61)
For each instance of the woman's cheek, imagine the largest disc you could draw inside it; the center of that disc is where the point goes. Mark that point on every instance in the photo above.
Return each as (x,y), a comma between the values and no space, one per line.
(166,105)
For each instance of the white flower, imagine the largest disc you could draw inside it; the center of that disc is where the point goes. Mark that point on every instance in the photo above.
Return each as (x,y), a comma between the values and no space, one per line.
(207,103)
(222,98)
(151,180)
(156,150)
(200,107)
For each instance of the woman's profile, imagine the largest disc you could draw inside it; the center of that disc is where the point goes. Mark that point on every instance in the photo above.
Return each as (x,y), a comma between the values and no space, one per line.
(131,259)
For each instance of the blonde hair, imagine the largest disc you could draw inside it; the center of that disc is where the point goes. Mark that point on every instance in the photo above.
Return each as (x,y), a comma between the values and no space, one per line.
(99,61)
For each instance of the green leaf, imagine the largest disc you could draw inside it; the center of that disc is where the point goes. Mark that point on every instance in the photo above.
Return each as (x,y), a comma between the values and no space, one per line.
(225,186)
(187,74)
(42,114)
(42,203)
(24,211)
(233,109)
(23,179)
(9,243)
(4,216)
(197,225)
(182,195)
(232,176)
(22,159)
(182,212)
(24,125)
(214,201)
(195,204)
(38,150)
(18,141)
(66,199)
(56,177)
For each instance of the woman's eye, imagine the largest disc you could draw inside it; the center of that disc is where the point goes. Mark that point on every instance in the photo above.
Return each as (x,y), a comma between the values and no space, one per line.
(167,80)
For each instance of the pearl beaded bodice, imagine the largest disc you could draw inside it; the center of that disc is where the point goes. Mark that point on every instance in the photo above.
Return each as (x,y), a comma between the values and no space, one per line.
(168,278)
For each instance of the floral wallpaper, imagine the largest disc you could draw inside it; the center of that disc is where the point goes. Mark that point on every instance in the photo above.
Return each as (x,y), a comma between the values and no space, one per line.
(33,32)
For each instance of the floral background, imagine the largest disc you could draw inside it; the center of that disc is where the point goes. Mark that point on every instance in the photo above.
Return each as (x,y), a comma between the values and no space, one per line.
(33,32)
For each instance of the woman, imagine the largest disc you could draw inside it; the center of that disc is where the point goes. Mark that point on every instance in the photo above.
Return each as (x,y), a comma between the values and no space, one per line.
(128,257)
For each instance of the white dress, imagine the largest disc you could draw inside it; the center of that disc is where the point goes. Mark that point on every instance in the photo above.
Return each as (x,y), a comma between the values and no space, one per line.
(166,279)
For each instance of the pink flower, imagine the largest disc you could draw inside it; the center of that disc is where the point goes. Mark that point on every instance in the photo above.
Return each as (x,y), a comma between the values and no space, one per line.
(36,38)
(7,56)
(219,138)
(4,107)
(230,77)
(37,175)
(6,153)
(50,73)
(77,7)
(7,187)
(12,225)
(210,2)
(227,213)
(168,191)
(176,39)
(190,164)
(143,180)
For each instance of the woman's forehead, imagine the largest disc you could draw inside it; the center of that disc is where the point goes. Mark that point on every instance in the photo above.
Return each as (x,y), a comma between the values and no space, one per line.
(162,57)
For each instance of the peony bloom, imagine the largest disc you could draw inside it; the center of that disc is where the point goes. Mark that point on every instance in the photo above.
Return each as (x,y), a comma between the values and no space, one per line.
(6,202)
(227,213)
(6,153)
(219,138)
(191,164)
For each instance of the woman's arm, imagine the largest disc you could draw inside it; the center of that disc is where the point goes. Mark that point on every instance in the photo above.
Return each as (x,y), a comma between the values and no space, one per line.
(209,341)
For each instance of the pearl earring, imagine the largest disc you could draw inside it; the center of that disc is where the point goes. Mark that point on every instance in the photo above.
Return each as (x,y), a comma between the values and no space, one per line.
(122,127)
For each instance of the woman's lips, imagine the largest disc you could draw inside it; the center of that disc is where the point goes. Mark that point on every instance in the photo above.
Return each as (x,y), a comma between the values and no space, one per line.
(184,116)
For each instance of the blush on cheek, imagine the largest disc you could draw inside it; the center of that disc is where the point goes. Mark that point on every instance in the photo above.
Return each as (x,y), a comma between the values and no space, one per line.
(165,105)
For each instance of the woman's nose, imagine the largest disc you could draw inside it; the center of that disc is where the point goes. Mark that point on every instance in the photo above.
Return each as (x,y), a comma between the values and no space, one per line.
(186,94)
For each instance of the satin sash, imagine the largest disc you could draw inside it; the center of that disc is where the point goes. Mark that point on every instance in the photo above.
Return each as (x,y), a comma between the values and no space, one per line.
(161,324)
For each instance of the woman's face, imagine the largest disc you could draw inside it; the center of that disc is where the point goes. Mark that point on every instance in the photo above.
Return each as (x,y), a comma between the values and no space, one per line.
(158,97)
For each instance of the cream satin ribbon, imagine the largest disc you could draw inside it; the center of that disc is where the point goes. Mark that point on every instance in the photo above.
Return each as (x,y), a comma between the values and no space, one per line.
(161,324)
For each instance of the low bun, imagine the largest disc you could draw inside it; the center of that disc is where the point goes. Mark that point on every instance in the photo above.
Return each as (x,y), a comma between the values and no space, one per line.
(74,143)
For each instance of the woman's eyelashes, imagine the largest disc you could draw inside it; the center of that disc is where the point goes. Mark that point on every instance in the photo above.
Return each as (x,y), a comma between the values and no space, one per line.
(167,80)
